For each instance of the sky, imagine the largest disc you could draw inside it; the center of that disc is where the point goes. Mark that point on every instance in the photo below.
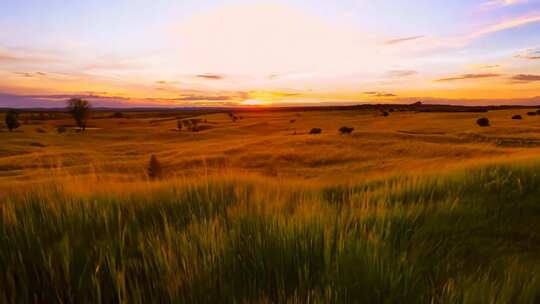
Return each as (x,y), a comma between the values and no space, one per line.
(230,52)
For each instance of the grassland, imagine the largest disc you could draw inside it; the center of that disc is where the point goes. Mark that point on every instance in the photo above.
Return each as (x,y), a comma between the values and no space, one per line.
(411,208)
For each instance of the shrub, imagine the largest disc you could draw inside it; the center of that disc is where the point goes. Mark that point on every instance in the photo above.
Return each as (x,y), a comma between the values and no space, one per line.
(538,111)
(12,120)
(233,117)
(154,168)
(118,115)
(80,110)
(346,130)
(483,122)
(315,131)
(385,113)
(516,117)
(531,113)
(179,125)
(292,121)
(41,130)
(61,129)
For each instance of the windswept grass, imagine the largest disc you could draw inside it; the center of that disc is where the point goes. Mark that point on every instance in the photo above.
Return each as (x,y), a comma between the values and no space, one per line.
(466,237)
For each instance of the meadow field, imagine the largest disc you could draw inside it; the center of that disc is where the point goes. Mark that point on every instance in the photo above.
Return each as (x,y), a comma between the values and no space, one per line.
(409,208)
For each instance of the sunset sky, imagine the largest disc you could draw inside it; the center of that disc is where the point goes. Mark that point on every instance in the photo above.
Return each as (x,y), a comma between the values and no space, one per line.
(176,53)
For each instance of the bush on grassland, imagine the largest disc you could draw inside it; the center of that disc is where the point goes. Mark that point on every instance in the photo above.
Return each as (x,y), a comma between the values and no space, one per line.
(346,130)
(483,122)
(155,170)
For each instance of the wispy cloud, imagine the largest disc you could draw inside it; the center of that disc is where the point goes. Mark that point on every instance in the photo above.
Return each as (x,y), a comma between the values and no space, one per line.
(532,54)
(462,40)
(492,4)
(401,73)
(25,56)
(525,78)
(486,66)
(203,98)
(468,76)
(505,25)
(30,74)
(8,57)
(380,94)
(403,39)
(210,76)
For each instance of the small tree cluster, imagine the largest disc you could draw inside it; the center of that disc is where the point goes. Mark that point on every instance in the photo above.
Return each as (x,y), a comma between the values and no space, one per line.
(517,117)
(532,113)
(195,124)
(189,124)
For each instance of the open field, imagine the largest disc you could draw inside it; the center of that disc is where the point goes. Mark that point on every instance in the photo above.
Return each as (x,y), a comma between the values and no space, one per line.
(410,208)
(266,143)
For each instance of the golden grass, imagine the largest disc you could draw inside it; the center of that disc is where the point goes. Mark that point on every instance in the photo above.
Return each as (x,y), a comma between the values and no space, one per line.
(263,143)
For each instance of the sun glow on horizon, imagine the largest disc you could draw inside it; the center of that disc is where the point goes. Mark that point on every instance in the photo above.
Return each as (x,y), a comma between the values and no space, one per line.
(255,102)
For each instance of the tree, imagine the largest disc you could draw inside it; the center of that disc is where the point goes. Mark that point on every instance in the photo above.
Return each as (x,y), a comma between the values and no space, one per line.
(80,110)
(12,120)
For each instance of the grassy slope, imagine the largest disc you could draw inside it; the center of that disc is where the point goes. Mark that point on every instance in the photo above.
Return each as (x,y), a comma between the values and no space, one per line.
(467,237)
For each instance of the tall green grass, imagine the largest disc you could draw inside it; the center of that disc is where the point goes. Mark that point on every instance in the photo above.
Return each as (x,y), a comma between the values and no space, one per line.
(468,237)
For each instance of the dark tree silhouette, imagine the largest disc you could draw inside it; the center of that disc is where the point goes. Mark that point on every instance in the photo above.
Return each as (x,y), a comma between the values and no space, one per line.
(12,120)
(179,125)
(154,168)
(315,131)
(80,110)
